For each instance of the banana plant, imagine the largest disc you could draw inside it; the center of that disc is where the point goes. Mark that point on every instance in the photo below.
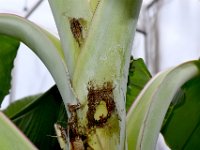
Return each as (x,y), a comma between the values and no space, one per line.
(89,65)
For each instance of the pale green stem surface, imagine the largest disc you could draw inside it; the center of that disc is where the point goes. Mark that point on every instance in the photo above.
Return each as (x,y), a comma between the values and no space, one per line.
(104,58)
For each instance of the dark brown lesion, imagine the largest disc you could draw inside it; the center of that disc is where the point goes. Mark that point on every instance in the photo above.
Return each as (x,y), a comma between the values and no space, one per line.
(78,140)
(75,138)
(63,133)
(95,96)
(72,121)
(77,30)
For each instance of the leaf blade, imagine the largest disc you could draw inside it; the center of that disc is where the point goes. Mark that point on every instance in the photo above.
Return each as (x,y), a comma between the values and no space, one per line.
(8,52)
(45,46)
(37,117)
(11,137)
(148,112)
(137,78)
(182,127)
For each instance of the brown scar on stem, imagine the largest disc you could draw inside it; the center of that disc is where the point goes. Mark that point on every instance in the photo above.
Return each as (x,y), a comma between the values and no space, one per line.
(61,135)
(77,30)
(95,96)
(72,121)
(75,138)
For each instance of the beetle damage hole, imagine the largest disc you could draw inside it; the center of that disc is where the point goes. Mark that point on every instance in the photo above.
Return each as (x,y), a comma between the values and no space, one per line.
(77,29)
(101,111)
(100,103)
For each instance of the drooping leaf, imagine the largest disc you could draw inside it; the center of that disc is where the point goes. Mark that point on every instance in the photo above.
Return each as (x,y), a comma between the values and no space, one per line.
(46,46)
(146,115)
(8,51)
(36,116)
(137,78)
(182,127)
(11,137)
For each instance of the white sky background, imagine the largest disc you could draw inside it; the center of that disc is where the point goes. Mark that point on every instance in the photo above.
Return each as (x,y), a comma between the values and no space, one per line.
(179,32)
(36,78)
(179,35)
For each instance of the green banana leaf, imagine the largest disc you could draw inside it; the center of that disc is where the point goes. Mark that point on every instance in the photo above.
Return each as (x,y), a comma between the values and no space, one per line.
(8,51)
(36,115)
(137,78)
(11,137)
(146,115)
(182,127)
